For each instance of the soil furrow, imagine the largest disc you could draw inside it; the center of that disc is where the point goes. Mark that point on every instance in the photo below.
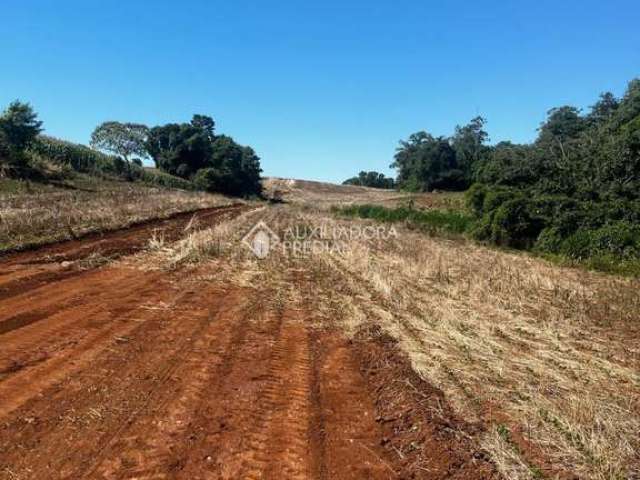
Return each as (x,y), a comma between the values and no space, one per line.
(27,267)
(147,448)
(93,403)
(68,327)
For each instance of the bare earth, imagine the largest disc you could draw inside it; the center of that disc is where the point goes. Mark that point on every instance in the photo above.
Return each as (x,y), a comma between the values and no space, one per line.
(168,351)
(119,373)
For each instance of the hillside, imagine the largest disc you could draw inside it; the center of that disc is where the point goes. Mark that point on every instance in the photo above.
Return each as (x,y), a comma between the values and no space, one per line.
(325,195)
(36,213)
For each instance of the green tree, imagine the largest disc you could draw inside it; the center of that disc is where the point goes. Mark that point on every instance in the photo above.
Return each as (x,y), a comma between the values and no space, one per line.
(425,163)
(19,127)
(602,111)
(469,143)
(122,139)
(215,162)
(182,148)
(205,123)
(371,179)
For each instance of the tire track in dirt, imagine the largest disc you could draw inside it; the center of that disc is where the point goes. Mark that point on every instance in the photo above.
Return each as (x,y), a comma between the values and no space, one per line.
(147,447)
(67,327)
(350,426)
(25,384)
(280,440)
(52,299)
(263,418)
(31,270)
(229,403)
(116,385)
(40,354)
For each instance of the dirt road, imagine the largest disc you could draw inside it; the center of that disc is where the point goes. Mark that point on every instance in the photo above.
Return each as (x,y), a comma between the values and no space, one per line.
(113,373)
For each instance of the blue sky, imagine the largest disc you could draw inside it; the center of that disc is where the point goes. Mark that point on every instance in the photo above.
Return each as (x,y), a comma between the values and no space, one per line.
(320,89)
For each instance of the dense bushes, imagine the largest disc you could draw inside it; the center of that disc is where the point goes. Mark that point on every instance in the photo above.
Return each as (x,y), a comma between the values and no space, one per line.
(214,162)
(158,178)
(574,192)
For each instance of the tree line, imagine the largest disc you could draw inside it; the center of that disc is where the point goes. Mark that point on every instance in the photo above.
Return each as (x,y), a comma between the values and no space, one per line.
(190,151)
(574,191)
(371,179)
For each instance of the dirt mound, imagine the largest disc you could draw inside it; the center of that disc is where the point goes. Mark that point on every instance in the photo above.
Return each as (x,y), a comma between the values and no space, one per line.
(417,422)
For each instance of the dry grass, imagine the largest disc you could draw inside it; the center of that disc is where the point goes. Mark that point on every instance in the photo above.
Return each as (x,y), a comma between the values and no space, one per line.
(324,195)
(547,358)
(551,353)
(32,218)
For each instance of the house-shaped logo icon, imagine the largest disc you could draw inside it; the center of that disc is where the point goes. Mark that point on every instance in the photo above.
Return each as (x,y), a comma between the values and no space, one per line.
(261,239)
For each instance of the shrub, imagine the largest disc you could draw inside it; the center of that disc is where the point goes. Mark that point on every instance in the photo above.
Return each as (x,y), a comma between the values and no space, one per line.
(496,196)
(550,240)
(513,225)
(475,197)
(429,220)
(481,229)
(619,238)
(208,179)
(162,179)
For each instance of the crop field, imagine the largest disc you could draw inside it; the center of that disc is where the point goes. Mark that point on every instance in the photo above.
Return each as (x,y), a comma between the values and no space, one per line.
(188,347)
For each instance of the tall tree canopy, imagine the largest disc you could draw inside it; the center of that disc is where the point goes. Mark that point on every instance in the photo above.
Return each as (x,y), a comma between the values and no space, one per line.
(181,148)
(216,162)
(469,141)
(425,162)
(122,139)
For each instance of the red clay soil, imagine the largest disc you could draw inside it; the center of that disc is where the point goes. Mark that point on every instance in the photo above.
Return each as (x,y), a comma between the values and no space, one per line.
(145,377)
(20,272)
(115,241)
(418,424)
(115,373)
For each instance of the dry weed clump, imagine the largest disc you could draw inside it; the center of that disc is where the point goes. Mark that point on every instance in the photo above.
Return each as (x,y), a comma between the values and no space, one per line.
(197,246)
(42,217)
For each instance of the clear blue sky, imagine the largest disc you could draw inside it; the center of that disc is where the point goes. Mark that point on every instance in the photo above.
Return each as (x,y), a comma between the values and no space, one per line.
(320,89)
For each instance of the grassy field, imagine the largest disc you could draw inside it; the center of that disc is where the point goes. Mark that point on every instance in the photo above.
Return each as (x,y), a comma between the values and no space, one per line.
(35,213)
